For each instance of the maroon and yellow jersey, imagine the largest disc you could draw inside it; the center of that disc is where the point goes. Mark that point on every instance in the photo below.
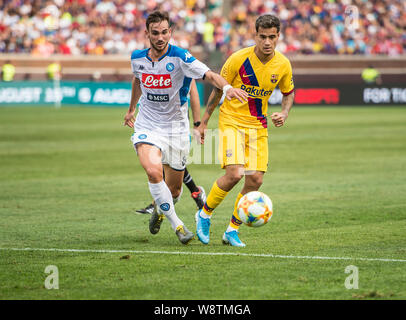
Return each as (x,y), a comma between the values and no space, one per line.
(244,70)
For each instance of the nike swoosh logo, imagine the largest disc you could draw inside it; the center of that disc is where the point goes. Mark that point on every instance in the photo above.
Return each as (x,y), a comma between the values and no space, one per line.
(247,75)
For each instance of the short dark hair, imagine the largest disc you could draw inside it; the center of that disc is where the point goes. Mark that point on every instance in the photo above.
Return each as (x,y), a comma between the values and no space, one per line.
(267,21)
(157,16)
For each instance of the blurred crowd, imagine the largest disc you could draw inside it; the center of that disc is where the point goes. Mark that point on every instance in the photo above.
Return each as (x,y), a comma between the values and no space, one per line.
(98,27)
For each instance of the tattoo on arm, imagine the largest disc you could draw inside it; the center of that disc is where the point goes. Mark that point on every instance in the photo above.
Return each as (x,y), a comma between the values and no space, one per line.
(213,102)
(287,102)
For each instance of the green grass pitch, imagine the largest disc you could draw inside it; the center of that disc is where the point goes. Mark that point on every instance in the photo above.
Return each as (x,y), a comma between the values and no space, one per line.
(69,179)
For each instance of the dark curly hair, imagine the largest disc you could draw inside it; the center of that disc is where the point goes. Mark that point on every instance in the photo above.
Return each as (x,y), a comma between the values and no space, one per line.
(267,21)
(157,16)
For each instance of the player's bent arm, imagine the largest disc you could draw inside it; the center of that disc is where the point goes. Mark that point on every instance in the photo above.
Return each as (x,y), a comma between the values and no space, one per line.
(135,93)
(215,79)
(212,103)
(287,103)
(279,118)
(219,82)
(135,96)
(194,102)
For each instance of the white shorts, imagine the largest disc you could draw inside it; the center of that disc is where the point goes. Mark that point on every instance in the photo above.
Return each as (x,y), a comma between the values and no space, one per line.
(174,149)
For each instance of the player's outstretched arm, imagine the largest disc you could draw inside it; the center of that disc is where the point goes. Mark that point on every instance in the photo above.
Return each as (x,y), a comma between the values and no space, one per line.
(219,82)
(279,118)
(195,106)
(194,101)
(135,96)
(212,103)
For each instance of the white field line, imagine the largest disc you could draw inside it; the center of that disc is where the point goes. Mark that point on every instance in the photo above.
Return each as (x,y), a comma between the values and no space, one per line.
(204,254)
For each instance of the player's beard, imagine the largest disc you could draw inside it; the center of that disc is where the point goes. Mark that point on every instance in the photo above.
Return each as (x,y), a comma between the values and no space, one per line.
(158,49)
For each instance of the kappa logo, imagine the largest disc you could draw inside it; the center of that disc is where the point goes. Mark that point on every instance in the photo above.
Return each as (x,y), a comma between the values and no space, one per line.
(187,56)
(141,67)
(229,153)
(156,81)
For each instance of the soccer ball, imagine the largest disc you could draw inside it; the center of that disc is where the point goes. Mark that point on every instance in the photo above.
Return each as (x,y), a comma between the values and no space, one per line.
(255,209)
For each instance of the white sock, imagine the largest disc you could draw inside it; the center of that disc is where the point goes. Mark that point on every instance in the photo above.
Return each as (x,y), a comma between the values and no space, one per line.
(229,229)
(164,202)
(205,215)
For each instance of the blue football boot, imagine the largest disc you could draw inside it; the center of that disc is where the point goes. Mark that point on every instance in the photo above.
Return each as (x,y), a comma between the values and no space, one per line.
(231,238)
(202,228)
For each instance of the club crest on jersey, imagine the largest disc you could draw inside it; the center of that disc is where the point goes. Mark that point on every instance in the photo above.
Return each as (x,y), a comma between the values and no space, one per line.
(274,78)
(170,66)
(165,206)
(142,136)
(156,81)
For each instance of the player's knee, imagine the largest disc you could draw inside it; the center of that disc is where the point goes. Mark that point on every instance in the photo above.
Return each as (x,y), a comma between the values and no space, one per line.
(258,180)
(234,177)
(254,181)
(154,174)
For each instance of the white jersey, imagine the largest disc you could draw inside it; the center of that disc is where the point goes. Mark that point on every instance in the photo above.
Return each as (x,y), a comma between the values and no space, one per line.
(165,85)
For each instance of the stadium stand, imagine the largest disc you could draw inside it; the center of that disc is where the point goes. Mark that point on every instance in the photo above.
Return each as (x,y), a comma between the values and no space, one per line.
(94,38)
(98,27)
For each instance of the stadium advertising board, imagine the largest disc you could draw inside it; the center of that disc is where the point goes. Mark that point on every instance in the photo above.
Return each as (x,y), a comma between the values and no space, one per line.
(384,95)
(119,94)
(84,93)
(346,95)
(91,93)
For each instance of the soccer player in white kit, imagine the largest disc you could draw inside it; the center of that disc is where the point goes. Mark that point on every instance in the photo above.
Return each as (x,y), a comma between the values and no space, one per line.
(162,76)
